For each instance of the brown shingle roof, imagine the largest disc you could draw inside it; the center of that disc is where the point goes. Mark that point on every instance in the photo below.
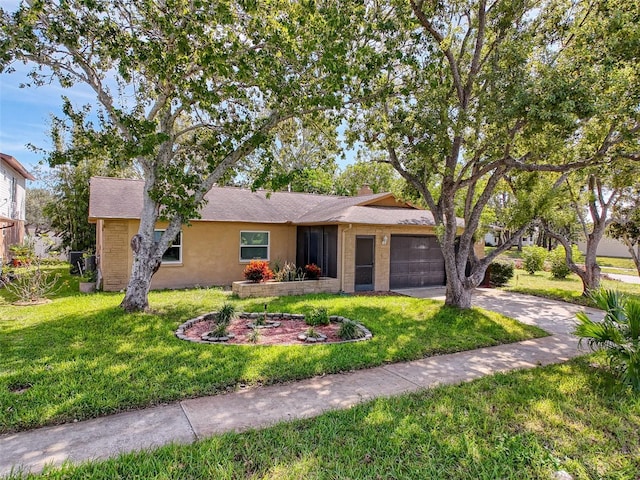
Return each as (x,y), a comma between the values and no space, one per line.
(122,198)
(17,166)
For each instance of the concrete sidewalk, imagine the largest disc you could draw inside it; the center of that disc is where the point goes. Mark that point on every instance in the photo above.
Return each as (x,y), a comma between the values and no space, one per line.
(258,407)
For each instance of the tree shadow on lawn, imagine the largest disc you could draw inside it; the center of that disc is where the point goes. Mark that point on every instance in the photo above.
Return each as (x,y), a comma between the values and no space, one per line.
(525,424)
(87,364)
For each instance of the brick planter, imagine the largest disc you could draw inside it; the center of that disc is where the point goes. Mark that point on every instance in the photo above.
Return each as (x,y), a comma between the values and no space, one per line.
(246,289)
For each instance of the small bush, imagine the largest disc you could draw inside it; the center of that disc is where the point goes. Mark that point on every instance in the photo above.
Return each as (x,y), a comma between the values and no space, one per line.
(22,254)
(32,284)
(254,336)
(219,330)
(500,273)
(557,258)
(285,273)
(559,267)
(312,333)
(533,259)
(349,330)
(318,316)
(312,271)
(226,314)
(258,271)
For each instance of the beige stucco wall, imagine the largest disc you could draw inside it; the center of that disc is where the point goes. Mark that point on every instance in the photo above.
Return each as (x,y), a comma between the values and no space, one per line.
(210,253)
(382,260)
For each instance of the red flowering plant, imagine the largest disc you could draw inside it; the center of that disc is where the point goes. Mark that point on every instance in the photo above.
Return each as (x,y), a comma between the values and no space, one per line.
(258,271)
(313,271)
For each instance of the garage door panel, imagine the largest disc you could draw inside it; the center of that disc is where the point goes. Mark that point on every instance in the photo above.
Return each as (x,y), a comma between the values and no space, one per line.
(416,261)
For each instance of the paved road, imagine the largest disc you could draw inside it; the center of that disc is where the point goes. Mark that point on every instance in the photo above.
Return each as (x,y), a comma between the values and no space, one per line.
(194,419)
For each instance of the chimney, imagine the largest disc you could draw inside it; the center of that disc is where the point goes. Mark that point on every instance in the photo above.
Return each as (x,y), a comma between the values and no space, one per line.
(365,190)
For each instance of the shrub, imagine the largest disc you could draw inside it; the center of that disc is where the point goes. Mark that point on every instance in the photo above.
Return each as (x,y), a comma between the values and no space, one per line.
(219,330)
(312,271)
(349,330)
(258,271)
(32,284)
(226,313)
(318,316)
(312,333)
(559,267)
(22,254)
(500,273)
(254,336)
(285,273)
(618,334)
(558,260)
(533,259)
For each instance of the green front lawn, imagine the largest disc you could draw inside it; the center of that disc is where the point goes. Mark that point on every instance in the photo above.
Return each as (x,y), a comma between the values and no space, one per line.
(522,425)
(569,289)
(623,266)
(615,262)
(81,356)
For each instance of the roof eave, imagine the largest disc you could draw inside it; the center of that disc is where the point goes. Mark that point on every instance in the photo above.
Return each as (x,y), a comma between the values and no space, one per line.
(17,166)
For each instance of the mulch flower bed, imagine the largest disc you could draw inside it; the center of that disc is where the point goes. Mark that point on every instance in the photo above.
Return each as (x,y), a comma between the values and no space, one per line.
(286,334)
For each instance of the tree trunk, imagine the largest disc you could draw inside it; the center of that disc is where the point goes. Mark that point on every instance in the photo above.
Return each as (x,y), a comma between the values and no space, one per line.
(591,277)
(144,266)
(147,254)
(457,294)
(635,254)
(634,251)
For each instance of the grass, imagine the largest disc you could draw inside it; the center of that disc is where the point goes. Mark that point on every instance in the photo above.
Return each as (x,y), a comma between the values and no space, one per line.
(569,289)
(623,266)
(521,425)
(81,356)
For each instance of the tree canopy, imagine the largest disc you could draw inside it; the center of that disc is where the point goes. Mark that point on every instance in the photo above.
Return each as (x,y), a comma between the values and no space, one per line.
(186,88)
(480,91)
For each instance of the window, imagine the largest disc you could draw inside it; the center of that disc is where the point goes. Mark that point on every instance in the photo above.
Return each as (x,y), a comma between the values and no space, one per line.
(254,246)
(174,252)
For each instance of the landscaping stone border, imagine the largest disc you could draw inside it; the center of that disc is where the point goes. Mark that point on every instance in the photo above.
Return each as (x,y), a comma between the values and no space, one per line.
(246,289)
(180,332)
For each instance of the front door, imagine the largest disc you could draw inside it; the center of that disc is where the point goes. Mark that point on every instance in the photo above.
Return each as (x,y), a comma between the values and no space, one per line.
(364,263)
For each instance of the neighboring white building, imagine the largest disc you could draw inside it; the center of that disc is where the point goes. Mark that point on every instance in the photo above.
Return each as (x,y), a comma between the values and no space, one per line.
(608,247)
(46,245)
(496,236)
(13,177)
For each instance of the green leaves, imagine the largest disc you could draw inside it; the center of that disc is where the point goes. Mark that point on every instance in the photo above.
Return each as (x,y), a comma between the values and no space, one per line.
(618,334)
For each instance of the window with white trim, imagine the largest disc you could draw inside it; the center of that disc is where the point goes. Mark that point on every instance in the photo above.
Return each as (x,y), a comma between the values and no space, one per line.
(173,254)
(254,246)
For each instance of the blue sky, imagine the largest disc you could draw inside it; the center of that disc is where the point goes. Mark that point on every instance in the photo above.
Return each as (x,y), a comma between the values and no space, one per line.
(25,114)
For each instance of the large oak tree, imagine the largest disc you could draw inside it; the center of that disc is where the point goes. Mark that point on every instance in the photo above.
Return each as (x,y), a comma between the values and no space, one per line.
(185,88)
(481,91)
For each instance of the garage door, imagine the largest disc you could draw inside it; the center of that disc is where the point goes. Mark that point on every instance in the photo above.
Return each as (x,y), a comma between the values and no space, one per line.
(416,261)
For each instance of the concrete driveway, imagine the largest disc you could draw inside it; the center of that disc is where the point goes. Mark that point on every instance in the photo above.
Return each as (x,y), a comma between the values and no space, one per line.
(558,318)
